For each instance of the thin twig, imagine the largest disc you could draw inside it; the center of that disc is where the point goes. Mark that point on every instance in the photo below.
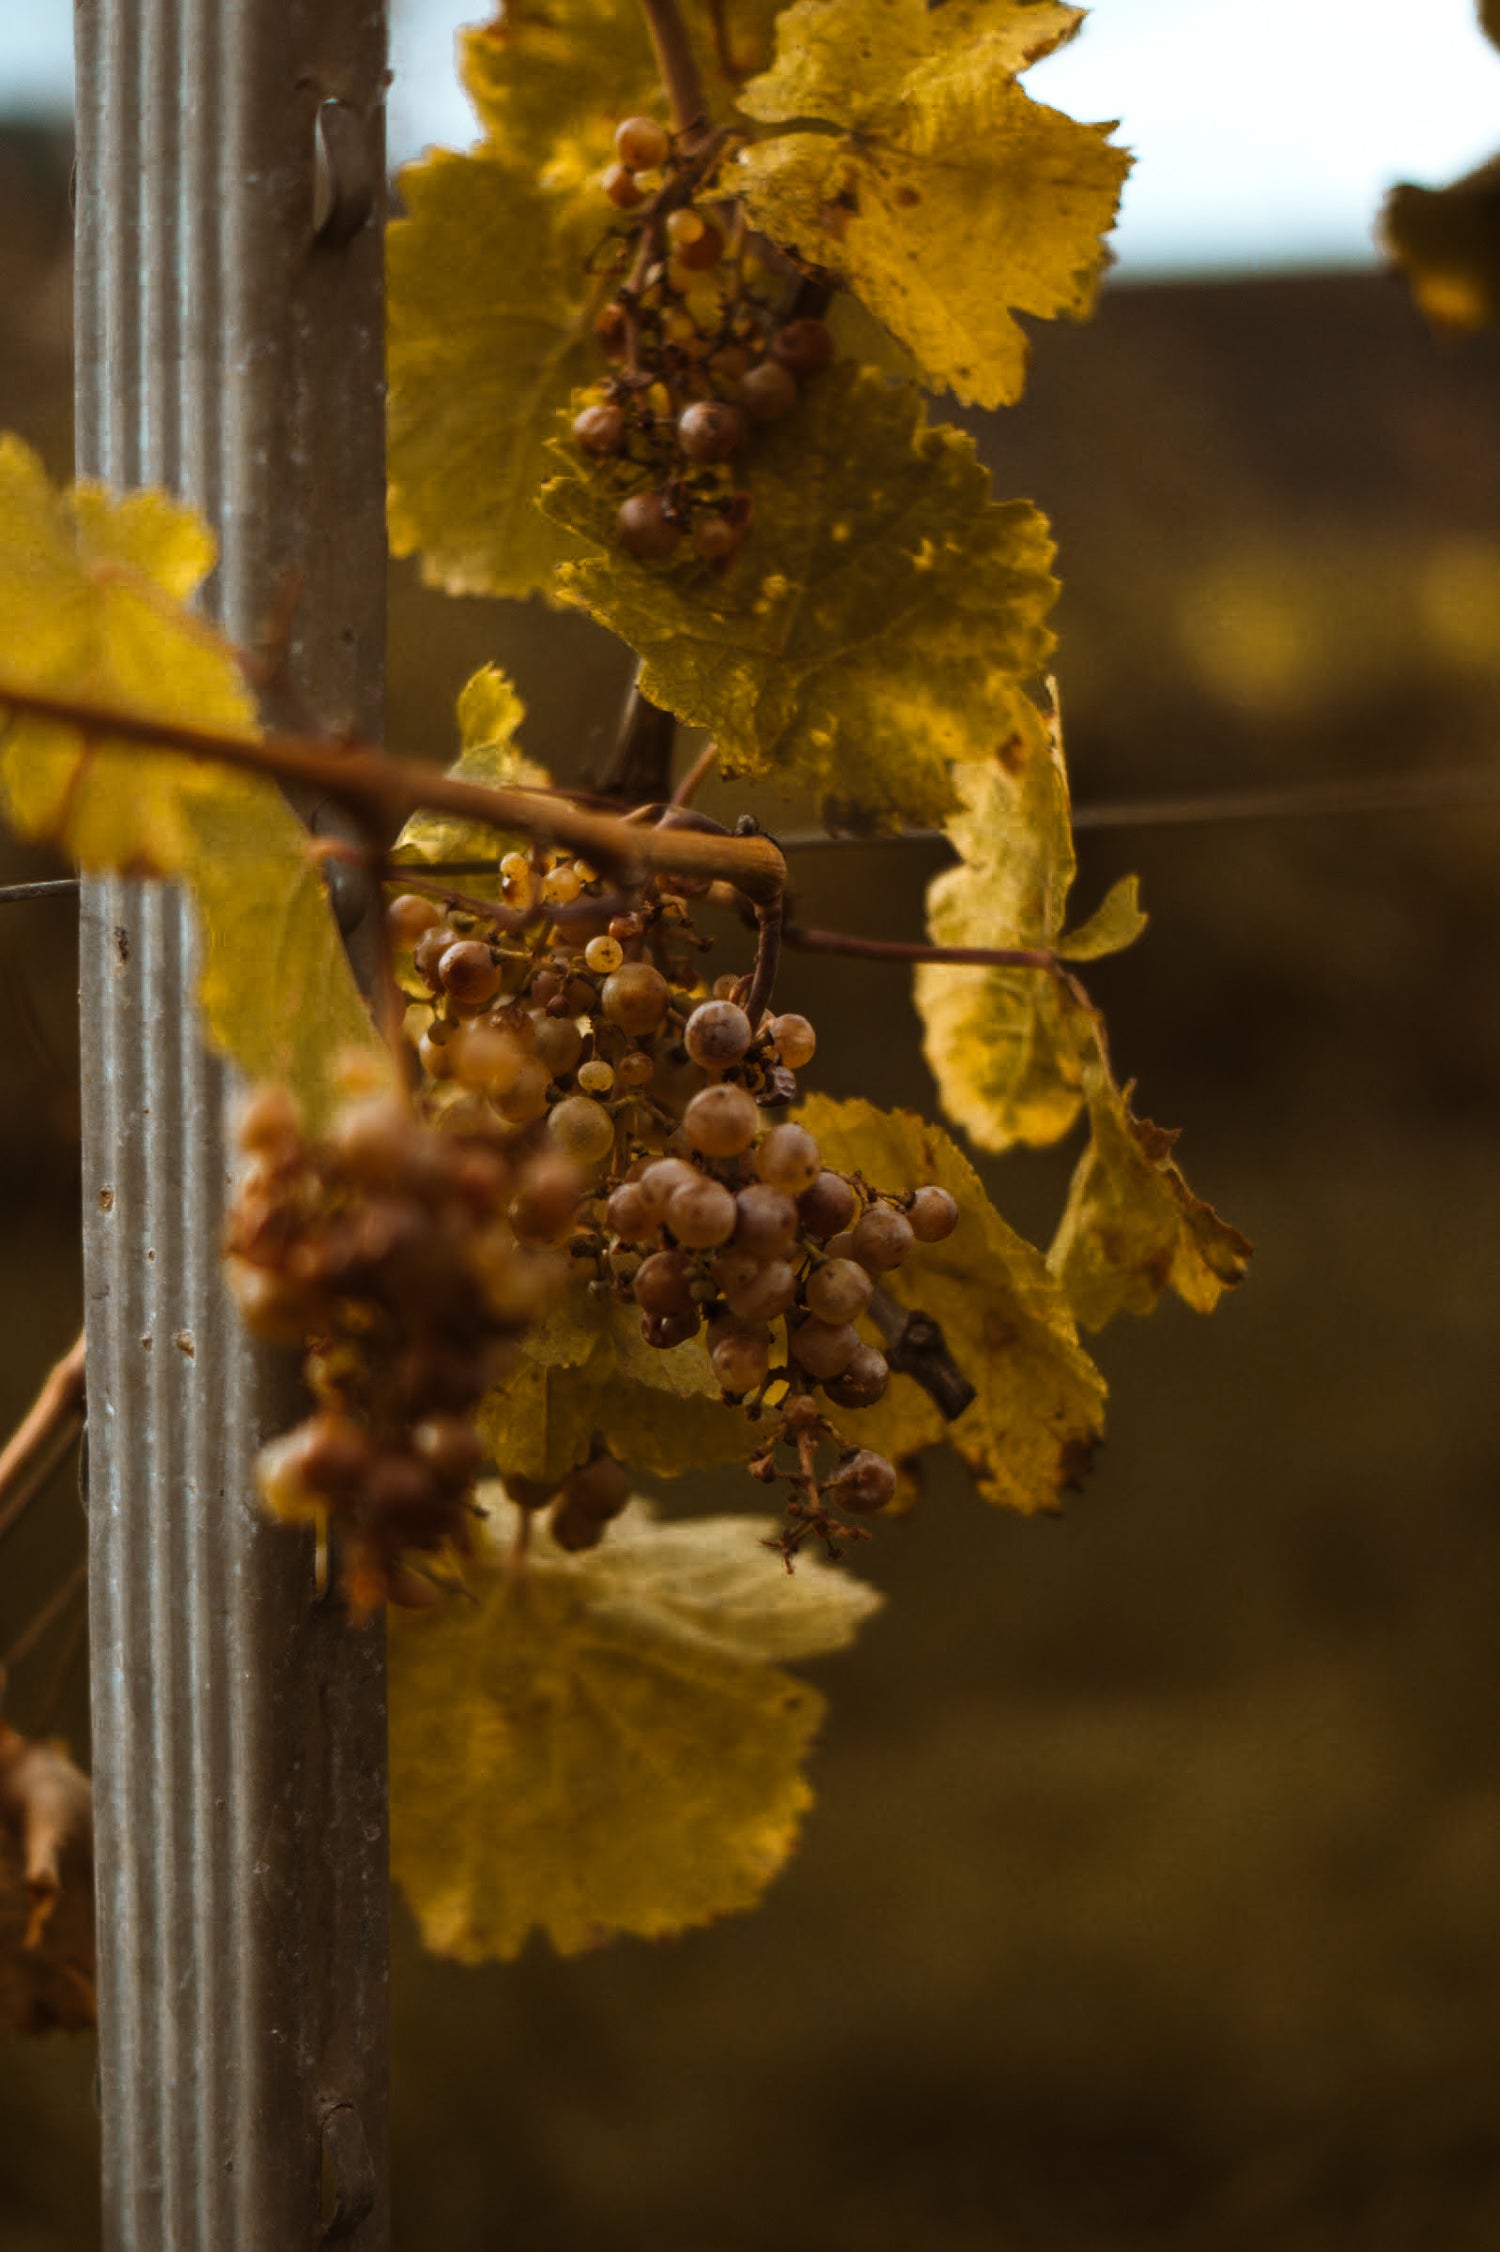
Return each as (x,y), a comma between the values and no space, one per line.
(676,62)
(384,792)
(50,887)
(31,1634)
(900,950)
(696,775)
(768,935)
(42,1438)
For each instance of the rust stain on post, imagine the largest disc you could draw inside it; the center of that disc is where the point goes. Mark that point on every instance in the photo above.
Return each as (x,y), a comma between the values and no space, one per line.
(229,340)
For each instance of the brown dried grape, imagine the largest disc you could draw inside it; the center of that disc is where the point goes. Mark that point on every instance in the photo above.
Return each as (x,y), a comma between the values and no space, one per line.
(574,1528)
(702,1215)
(721,1121)
(602,1487)
(769,1291)
(710,430)
(839,1290)
(741,1360)
(429,951)
(659,1182)
(622,187)
(823,1348)
(933,1214)
(862,1483)
(663,1331)
(882,1239)
(766,1223)
(600,430)
(827,1207)
(768,391)
(664,1284)
(804,347)
(635,998)
(863,1382)
(645,530)
(546,1204)
(629,1216)
(469,973)
(716,1035)
(788,1159)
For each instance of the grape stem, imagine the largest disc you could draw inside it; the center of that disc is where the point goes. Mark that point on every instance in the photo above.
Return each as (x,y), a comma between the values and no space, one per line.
(768,935)
(42,1438)
(900,950)
(698,773)
(676,62)
(384,792)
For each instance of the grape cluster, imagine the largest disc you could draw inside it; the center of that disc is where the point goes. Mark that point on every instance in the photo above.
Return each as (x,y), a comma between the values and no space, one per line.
(397,1253)
(649,1107)
(703,350)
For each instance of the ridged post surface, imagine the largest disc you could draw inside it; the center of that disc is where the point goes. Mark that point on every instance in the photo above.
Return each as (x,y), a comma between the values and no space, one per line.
(229,323)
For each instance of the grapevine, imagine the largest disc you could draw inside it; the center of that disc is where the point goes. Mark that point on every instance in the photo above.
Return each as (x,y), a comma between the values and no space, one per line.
(551,1209)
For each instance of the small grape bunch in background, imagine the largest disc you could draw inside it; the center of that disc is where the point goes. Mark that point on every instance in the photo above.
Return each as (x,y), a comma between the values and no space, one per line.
(389,1251)
(704,346)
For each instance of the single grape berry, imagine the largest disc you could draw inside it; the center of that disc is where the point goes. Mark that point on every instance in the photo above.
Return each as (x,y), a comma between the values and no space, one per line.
(661,1181)
(429,951)
(664,1284)
(769,1290)
(803,347)
(788,1159)
(663,1331)
(409,916)
(635,998)
(543,1207)
(827,1207)
(741,1360)
(766,1224)
(469,973)
(701,1214)
(862,1483)
(600,430)
(882,1239)
(573,1528)
(768,391)
(862,1383)
(601,1488)
(485,1058)
(716,538)
(562,884)
(794,1040)
(710,430)
(839,1290)
(628,1215)
(603,955)
(823,1348)
(451,1448)
(645,530)
(705,249)
(582,1129)
(683,226)
(622,187)
(596,1077)
(933,1214)
(641,144)
(721,1121)
(716,1035)
(559,1044)
(526,1097)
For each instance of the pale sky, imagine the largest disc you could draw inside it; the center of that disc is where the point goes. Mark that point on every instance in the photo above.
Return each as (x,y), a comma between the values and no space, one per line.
(1265,130)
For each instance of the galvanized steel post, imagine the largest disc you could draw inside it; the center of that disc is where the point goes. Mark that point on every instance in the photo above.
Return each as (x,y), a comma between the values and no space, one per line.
(229,339)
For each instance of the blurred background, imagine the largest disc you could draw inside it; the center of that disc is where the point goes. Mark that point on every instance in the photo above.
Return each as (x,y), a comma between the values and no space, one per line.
(1150,1902)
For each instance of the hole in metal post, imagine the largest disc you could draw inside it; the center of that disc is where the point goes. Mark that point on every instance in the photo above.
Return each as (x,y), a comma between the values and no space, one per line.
(343,185)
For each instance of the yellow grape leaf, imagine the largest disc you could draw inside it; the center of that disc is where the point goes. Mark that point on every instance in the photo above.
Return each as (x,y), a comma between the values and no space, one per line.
(1001,1043)
(879,622)
(1038,1413)
(1133,1228)
(92,588)
(1447,243)
(489,714)
(491,332)
(916,168)
(589,1373)
(551,79)
(46,1890)
(602,1744)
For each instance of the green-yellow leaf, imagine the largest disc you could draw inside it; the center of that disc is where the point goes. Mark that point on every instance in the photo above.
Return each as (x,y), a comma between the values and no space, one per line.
(880,621)
(489,714)
(586,1373)
(602,1744)
(1038,1410)
(92,594)
(915,167)
(1001,1043)
(1133,1228)
(490,334)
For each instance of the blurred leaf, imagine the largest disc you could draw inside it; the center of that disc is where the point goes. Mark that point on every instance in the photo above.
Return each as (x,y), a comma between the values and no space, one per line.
(1133,1228)
(46,1890)
(1489,19)
(947,198)
(1001,1043)
(600,1744)
(1447,243)
(489,714)
(92,588)
(588,1372)
(490,334)
(879,622)
(1038,1414)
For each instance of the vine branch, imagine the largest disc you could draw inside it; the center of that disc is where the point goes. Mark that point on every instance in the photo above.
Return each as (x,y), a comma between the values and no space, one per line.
(382,792)
(903,950)
(43,1436)
(676,62)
